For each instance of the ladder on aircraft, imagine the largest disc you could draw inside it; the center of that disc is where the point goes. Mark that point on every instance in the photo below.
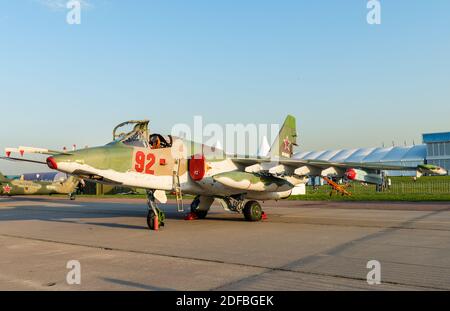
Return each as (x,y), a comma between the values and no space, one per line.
(336,187)
(177,186)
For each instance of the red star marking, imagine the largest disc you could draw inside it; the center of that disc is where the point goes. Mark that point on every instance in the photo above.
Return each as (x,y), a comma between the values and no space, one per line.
(7,189)
(287,145)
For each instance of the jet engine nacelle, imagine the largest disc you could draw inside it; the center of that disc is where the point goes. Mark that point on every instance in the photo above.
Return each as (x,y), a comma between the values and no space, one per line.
(364,176)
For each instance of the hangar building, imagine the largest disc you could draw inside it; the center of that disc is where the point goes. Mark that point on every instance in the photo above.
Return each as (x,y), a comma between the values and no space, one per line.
(404,156)
(438,149)
(435,150)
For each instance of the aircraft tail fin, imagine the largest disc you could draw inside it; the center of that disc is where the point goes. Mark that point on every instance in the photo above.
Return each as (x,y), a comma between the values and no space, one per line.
(283,146)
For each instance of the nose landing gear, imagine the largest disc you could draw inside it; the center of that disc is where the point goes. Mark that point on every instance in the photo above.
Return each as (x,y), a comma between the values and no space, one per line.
(155,216)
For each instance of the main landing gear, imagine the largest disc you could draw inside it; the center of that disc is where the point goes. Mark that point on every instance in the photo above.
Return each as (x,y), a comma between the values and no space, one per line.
(155,216)
(195,211)
(200,207)
(72,196)
(251,210)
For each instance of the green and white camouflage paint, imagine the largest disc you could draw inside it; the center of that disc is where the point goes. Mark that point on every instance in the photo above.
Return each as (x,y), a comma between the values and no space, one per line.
(13,187)
(165,163)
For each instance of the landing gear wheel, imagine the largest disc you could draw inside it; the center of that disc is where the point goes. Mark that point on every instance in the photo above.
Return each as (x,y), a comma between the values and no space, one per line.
(151,220)
(198,214)
(155,216)
(151,216)
(253,211)
(72,196)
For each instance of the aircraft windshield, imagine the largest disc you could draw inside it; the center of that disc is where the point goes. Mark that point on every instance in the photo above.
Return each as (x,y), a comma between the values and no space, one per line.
(136,140)
(136,134)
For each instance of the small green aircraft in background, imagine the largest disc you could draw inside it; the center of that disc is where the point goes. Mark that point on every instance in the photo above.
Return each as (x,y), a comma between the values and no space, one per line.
(157,163)
(12,187)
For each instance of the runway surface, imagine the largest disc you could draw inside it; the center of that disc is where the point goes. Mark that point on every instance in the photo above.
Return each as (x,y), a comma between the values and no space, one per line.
(302,246)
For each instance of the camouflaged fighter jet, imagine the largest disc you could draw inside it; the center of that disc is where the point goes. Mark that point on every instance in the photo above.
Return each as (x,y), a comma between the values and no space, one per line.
(159,163)
(12,187)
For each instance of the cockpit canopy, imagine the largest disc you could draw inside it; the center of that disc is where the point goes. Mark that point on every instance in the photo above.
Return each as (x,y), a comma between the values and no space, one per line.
(139,135)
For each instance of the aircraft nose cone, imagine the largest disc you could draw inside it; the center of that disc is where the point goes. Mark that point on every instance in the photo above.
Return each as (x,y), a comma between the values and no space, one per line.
(52,163)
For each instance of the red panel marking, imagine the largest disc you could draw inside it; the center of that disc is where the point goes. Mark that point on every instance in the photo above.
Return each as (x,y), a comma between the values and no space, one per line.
(197,168)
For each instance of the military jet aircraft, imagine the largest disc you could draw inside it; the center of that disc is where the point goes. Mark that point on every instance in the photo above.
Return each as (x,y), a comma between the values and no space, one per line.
(160,163)
(12,187)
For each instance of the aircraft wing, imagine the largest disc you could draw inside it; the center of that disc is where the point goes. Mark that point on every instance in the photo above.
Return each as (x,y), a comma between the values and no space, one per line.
(301,167)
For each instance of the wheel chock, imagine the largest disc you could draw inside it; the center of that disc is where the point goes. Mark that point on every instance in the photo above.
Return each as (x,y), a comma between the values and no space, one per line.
(156,223)
(264,216)
(191,216)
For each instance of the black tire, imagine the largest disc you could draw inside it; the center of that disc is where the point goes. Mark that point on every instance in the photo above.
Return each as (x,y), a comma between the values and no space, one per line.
(197,213)
(151,220)
(72,197)
(200,214)
(252,211)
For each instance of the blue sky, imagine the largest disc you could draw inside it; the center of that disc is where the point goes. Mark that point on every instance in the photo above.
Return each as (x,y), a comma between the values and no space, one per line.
(350,84)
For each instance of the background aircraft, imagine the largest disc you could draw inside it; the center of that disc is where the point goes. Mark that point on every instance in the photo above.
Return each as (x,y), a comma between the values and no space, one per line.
(165,163)
(11,187)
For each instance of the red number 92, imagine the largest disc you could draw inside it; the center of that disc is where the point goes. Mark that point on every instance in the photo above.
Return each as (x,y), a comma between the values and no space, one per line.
(140,165)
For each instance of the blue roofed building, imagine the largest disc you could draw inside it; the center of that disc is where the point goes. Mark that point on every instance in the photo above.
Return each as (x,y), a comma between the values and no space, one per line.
(438,149)
(435,150)
(410,156)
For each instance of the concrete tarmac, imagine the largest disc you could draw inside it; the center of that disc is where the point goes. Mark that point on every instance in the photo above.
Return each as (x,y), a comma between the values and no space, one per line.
(302,246)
